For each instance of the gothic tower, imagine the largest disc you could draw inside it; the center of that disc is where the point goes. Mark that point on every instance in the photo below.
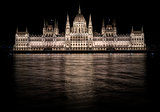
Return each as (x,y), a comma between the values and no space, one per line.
(67,32)
(90,28)
(103,28)
(90,32)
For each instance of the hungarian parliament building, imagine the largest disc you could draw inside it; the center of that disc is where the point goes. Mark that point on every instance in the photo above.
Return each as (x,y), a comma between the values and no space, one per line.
(79,37)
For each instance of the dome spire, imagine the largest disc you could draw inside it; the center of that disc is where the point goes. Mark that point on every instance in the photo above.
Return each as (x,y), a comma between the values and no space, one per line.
(79,11)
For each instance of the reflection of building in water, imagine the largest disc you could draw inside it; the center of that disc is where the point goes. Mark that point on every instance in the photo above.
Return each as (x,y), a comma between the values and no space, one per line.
(79,79)
(79,76)
(122,72)
(38,74)
(41,62)
(79,37)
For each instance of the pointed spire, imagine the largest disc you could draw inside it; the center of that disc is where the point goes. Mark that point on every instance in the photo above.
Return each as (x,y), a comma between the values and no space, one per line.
(67,20)
(103,28)
(103,23)
(132,29)
(90,29)
(67,30)
(142,29)
(79,11)
(26,30)
(17,30)
(90,20)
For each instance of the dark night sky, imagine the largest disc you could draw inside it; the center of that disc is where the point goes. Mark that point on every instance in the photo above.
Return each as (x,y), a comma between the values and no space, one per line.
(31,14)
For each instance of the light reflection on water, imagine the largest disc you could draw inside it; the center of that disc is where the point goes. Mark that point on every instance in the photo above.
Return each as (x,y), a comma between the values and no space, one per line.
(81,81)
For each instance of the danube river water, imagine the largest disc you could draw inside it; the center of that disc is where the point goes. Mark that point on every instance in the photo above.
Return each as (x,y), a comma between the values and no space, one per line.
(82,82)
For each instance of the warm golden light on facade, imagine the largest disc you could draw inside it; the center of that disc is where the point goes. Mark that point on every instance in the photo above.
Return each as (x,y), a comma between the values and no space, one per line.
(79,37)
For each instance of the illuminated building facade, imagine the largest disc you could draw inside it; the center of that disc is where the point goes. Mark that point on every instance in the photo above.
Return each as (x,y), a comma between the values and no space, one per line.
(79,37)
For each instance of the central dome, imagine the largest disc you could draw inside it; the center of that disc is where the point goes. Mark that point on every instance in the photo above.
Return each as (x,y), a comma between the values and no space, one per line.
(79,18)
